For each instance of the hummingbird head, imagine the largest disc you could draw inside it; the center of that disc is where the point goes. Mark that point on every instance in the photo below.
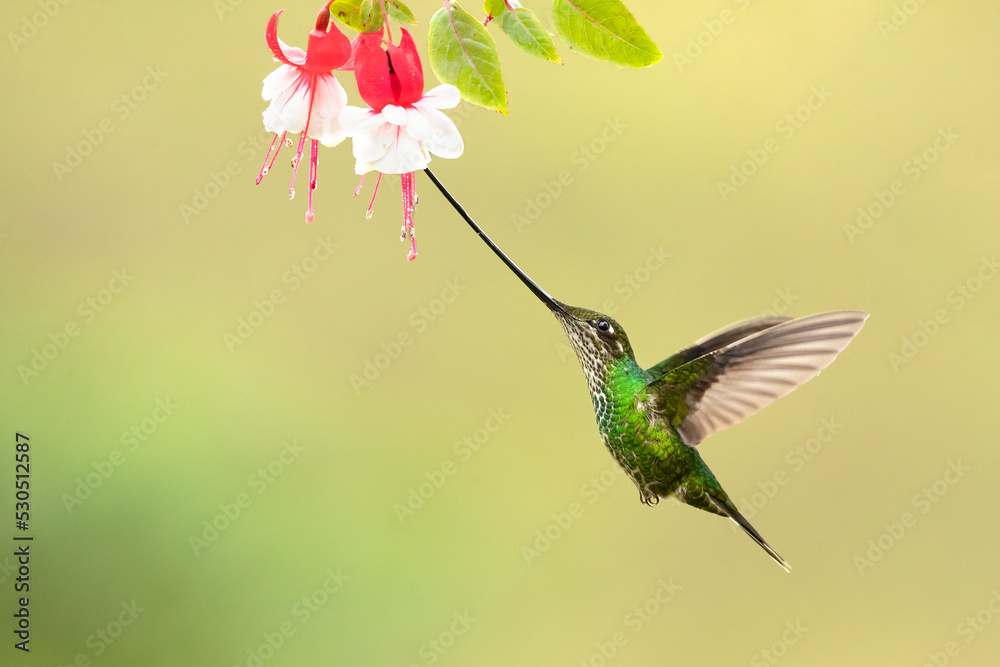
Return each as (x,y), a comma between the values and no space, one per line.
(598,340)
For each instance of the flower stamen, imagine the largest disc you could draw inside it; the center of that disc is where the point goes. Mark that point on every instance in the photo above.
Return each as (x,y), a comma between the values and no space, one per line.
(371,205)
(357,190)
(295,164)
(266,167)
(409,203)
(313,170)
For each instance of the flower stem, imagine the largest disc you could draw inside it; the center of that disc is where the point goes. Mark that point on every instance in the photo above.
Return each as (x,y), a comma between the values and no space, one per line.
(385,21)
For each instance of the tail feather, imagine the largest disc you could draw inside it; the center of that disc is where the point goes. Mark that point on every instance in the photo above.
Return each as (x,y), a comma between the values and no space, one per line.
(711,498)
(728,509)
(741,521)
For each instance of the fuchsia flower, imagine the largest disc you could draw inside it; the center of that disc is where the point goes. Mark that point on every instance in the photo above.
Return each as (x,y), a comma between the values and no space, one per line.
(404,125)
(305,96)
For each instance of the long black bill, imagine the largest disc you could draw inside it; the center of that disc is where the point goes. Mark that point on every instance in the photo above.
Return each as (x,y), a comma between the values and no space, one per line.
(532,285)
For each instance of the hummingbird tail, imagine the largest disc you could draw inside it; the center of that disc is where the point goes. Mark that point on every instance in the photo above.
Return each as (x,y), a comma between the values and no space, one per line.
(728,509)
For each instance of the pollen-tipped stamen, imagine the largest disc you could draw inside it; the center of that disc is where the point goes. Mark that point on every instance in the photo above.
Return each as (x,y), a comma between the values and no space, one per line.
(371,205)
(295,164)
(313,170)
(409,197)
(266,167)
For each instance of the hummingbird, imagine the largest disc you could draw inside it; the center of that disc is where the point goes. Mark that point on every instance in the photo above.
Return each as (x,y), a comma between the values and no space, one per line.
(652,420)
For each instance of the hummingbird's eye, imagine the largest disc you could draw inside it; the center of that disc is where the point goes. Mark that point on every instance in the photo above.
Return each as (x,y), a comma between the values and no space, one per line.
(603,326)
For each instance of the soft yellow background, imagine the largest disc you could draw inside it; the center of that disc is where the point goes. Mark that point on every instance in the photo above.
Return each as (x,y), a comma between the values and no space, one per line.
(495,347)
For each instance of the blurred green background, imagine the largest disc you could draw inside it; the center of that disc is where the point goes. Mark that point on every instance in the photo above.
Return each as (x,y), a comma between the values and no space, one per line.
(149,425)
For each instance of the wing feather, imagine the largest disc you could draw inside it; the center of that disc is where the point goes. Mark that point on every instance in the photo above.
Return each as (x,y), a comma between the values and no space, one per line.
(714,341)
(726,385)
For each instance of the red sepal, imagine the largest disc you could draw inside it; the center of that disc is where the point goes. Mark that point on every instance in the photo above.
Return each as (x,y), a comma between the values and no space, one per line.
(271,37)
(393,77)
(327,50)
(407,69)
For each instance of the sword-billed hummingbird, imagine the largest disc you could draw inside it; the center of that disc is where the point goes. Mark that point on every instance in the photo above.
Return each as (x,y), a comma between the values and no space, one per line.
(651,420)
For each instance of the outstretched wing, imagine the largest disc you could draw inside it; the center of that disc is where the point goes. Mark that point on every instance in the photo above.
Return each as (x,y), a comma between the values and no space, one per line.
(724,386)
(714,341)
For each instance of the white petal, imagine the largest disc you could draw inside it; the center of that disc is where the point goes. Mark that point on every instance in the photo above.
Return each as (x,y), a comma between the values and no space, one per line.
(444,139)
(405,155)
(371,144)
(394,114)
(361,167)
(417,125)
(279,80)
(289,110)
(328,102)
(355,120)
(445,96)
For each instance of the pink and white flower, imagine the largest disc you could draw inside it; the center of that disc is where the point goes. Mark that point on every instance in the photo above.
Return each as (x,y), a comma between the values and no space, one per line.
(404,125)
(306,98)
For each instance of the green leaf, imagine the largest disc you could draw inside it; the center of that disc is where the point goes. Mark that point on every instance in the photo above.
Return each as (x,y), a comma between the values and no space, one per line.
(494,8)
(400,13)
(528,34)
(371,15)
(349,13)
(366,15)
(605,30)
(463,54)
